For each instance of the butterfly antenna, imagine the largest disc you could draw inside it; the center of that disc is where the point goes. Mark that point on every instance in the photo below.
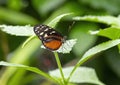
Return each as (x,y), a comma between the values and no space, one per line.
(70,26)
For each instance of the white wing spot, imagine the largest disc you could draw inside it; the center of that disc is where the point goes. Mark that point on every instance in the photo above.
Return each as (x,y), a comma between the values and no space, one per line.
(46,29)
(41,33)
(52,32)
(45,35)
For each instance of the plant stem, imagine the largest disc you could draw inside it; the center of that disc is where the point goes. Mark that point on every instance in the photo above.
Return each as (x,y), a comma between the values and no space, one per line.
(60,67)
(76,66)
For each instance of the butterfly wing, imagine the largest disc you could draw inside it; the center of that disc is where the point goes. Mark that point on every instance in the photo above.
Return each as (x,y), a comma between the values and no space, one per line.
(52,43)
(50,38)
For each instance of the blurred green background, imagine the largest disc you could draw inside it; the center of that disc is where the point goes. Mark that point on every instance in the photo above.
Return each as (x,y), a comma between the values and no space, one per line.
(22,12)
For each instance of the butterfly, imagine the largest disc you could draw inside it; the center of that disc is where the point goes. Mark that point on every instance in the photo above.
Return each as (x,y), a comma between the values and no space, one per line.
(51,39)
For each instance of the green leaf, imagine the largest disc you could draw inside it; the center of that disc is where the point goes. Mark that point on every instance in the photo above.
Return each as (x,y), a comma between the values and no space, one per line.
(99,48)
(32,69)
(67,46)
(110,20)
(18,30)
(81,75)
(112,33)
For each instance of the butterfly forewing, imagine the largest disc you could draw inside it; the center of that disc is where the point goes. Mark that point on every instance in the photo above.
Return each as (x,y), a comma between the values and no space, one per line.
(50,38)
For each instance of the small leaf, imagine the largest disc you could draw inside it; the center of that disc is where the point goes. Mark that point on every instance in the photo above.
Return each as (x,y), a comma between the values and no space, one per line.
(32,69)
(110,20)
(99,48)
(81,75)
(112,33)
(66,47)
(18,30)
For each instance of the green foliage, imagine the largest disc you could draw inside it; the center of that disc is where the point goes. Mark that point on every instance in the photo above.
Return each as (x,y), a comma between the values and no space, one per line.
(81,75)
(33,69)
(97,31)
(107,32)
(9,16)
(15,4)
(20,56)
(111,6)
(85,57)
(45,6)
(83,37)
(110,20)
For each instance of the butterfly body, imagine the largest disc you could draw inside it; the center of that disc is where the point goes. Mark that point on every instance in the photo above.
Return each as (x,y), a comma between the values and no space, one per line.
(50,38)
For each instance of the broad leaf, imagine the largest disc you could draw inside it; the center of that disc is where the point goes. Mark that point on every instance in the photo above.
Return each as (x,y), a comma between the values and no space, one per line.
(81,75)
(18,30)
(99,48)
(32,69)
(111,33)
(110,20)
